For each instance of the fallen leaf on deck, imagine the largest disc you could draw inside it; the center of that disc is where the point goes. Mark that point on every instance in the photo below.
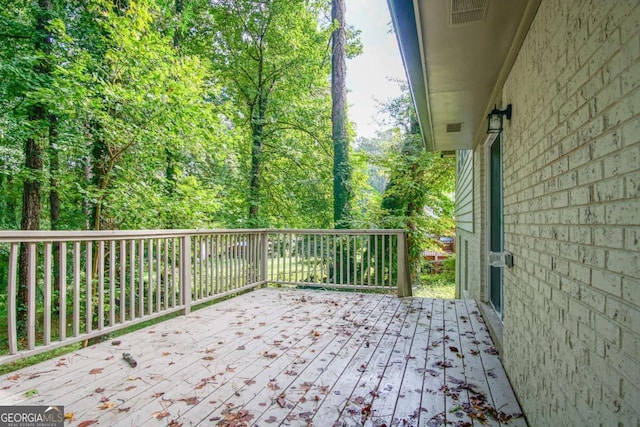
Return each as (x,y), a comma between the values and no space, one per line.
(190,400)
(203,382)
(241,347)
(158,394)
(271,420)
(443,364)
(70,416)
(269,355)
(31,393)
(230,369)
(492,351)
(96,371)
(236,419)
(453,349)
(107,405)
(99,390)
(131,387)
(174,423)
(158,415)
(208,358)
(249,382)
(166,353)
(116,342)
(87,423)
(15,377)
(281,402)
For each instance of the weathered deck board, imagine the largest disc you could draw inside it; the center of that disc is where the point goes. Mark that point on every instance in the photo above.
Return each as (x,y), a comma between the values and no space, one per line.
(286,357)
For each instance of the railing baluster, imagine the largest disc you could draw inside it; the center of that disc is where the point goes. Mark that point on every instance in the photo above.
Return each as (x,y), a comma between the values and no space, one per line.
(112,279)
(174,258)
(141,278)
(123,279)
(62,297)
(215,263)
(149,265)
(31,289)
(207,266)
(165,281)
(76,288)
(368,260)
(131,285)
(360,245)
(185,273)
(158,274)
(391,248)
(47,293)
(89,289)
(199,283)
(101,284)
(227,259)
(12,291)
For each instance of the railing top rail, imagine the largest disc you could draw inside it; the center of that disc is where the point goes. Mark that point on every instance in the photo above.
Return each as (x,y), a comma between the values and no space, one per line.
(332,231)
(9,236)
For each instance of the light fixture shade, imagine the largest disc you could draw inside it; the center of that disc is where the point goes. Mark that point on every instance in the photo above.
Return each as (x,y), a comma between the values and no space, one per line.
(495,117)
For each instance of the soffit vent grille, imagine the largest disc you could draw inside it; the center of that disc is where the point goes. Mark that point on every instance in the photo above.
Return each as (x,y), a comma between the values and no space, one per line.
(454,127)
(467,11)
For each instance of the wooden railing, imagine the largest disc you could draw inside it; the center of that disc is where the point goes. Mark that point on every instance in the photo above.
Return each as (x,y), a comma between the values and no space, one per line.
(83,284)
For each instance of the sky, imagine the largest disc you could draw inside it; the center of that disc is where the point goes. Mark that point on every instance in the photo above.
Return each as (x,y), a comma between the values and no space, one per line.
(368,74)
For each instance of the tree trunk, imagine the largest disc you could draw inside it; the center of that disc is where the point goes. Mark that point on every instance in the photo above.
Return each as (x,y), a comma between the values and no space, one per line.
(257,147)
(341,167)
(33,153)
(98,174)
(54,198)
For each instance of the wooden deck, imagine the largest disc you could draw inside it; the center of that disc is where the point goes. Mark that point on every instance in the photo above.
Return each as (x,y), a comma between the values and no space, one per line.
(286,357)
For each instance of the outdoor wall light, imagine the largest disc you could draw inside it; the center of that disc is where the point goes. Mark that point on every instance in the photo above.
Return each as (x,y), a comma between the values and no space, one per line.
(494,120)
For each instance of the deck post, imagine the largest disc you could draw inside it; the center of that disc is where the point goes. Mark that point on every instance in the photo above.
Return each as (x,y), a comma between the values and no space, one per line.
(264,254)
(404,284)
(185,272)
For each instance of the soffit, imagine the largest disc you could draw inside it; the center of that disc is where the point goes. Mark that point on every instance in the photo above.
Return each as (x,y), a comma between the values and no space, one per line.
(466,48)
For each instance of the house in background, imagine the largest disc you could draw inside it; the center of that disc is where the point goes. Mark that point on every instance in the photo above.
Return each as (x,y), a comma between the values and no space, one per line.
(548,209)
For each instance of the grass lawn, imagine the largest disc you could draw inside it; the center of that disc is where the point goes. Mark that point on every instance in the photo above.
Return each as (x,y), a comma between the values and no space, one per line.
(436,286)
(441,285)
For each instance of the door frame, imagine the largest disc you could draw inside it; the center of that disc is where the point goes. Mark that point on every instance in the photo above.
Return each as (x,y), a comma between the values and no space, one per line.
(492,139)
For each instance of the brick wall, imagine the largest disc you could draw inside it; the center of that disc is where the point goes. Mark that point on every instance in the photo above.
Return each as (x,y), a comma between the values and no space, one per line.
(572,215)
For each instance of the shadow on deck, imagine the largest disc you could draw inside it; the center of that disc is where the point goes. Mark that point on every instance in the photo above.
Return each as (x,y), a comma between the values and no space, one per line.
(286,357)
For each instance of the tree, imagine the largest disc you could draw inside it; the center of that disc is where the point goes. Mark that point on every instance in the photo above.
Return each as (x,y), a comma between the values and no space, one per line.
(37,115)
(341,167)
(418,196)
(270,57)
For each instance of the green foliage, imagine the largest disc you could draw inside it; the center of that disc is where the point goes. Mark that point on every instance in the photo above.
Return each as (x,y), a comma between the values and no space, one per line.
(151,110)
(418,185)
